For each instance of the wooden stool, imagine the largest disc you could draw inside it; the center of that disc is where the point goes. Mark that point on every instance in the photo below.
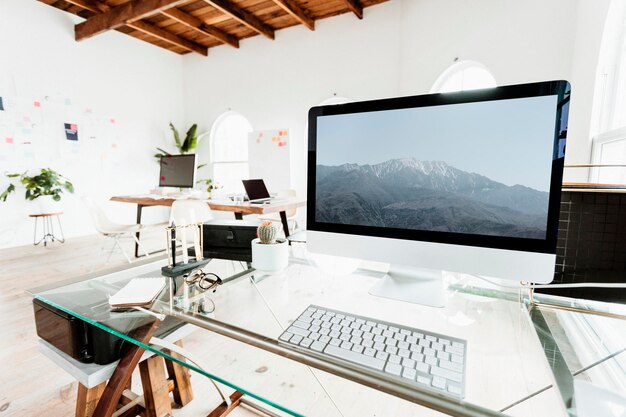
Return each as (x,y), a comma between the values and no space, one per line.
(48,228)
(155,401)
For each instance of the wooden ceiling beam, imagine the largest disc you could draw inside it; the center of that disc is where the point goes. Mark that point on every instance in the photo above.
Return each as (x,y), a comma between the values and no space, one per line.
(169,37)
(242,16)
(355,7)
(122,15)
(297,12)
(97,7)
(199,26)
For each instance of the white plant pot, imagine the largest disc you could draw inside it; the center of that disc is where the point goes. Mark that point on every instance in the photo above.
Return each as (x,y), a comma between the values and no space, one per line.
(270,257)
(44,204)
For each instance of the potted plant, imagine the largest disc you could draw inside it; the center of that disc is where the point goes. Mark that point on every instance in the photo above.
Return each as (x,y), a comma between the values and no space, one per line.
(188,145)
(269,254)
(46,187)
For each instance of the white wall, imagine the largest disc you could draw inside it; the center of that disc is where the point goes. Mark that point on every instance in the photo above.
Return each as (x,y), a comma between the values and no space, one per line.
(399,48)
(117,76)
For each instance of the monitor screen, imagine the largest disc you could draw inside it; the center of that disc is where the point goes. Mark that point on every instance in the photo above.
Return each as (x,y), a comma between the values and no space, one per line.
(177,171)
(473,168)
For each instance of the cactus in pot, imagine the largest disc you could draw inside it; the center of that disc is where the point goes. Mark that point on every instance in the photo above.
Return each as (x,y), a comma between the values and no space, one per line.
(266,232)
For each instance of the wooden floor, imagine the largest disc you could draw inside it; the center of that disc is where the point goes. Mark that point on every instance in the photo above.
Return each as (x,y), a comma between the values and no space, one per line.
(31,385)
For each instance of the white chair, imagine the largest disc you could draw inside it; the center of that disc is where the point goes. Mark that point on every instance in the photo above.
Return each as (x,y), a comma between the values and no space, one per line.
(292,213)
(186,212)
(115,231)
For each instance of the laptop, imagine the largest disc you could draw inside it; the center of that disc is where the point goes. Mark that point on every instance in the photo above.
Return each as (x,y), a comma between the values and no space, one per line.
(256,190)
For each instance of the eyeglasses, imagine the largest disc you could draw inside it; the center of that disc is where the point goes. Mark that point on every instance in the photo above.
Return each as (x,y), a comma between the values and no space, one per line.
(206,280)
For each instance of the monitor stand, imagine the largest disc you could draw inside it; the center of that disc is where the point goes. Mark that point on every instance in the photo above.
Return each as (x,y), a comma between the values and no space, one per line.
(414,285)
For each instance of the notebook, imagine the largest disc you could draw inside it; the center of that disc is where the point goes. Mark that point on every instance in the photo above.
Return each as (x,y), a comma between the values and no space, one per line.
(138,292)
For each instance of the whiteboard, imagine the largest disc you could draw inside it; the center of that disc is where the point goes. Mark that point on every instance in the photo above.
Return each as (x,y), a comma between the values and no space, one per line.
(269,158)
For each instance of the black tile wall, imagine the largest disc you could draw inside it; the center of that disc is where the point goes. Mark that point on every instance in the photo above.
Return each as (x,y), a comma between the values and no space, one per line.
(591,244)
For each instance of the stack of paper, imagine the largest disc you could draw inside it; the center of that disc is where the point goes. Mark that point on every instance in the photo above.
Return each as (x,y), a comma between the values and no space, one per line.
(138,292)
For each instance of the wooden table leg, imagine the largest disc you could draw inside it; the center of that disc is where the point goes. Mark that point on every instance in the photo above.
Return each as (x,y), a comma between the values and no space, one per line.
(123,372)
(183,393)
(224,409)
(285,222)
(87,399)
(155,388)
(139,209)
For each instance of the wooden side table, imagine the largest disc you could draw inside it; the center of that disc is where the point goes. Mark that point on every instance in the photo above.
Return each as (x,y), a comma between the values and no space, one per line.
(48,228)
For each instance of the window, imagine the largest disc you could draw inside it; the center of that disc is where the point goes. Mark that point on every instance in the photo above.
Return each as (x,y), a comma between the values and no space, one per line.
(229,150)
(608,128)
(464,75)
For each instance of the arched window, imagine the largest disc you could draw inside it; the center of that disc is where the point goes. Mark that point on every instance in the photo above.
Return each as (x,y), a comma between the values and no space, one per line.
(464,75)
(229,150)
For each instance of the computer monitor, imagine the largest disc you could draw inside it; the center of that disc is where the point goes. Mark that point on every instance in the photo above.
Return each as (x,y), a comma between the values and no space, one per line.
(178,171)
(464,182)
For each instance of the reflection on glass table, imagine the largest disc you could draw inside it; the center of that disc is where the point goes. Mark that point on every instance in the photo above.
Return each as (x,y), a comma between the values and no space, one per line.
(510,366)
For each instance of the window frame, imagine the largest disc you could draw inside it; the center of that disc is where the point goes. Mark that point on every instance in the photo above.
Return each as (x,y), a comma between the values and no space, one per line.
(213,141)
(456,68)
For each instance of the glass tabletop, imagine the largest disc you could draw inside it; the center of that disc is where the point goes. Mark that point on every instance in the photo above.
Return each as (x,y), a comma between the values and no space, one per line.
(508,353)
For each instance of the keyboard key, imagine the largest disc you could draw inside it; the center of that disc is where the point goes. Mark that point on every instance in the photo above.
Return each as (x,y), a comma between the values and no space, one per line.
(393,369)
(305,320)
(395,359)
(457,358)
(296,339)
(358,348)
(423,380)
(335,342)
(346,330)
(318,346)
(350,318)
(324,339)
(443,355)
(316,322)
(399,336)
(382,355)
(335,320)
(408,363)
(358,333)
(394,329)
(405,332)
(285,336)
(422,367)
(326,325)
(356,340)
(379,346)
(340,316)
(409,373)
(358,358)
(300,324)
(369,351)
(379,338)
(382,326)
(454,389)
(324,331)
(355,325)
(306,342)
(436,346)
(345,322)
(445,342)
(439,382)
(431,338)
(299,331)
(334,333)
(366,327)
(403,345)
(336,327)
(314,336)
(330,313)
(360,321)
(418,357)
(445,373)
(346,345)
(377,330)
(368,336)
(404,353)
(388,333)
(368,343)
(418,335)
(411,339)
(458,345)
(317,315)
(390,341)
(391,349)
(429,352)
(416,348)
(424,343)
(344,336)
(431,360)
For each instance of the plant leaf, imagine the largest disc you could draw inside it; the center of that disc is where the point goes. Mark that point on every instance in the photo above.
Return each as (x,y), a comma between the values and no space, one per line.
(176,136)
(191,139)
(6,192)
(201,166)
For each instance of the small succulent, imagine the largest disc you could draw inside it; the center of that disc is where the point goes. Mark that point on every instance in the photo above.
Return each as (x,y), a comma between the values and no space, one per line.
(266,232)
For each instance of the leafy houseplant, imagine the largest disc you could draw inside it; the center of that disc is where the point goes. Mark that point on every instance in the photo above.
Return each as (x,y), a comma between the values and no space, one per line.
(47,183)
(269,254)
(188,145)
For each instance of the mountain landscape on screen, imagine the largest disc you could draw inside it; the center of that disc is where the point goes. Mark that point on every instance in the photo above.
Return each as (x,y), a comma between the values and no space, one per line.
(428,195)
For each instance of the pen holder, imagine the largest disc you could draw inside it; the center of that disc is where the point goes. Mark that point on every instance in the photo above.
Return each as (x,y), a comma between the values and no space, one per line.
(178,268)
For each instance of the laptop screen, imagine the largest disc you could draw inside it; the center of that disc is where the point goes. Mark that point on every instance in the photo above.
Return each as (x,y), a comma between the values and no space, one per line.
(256,189)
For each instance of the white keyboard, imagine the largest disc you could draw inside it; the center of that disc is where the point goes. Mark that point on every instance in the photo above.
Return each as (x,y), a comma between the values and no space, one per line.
(424,358)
